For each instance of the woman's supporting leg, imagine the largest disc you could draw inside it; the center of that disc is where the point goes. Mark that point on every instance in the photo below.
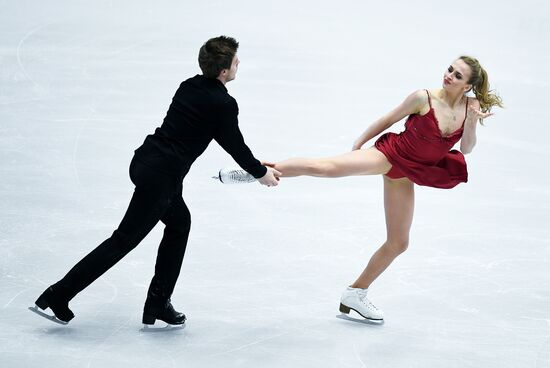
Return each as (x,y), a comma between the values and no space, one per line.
(361,162)
(399,208)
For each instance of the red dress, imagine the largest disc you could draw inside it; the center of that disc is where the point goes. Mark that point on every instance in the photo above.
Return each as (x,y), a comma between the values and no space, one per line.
(421,153)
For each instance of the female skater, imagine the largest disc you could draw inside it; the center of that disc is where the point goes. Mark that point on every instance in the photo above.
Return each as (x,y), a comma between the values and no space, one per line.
(437,119)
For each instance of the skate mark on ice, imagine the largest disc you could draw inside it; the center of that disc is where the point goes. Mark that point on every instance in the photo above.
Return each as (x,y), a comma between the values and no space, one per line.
(77,142)
(96,350)
(357,355)
(115,53)
(12,299)
(18,52)
(251,344)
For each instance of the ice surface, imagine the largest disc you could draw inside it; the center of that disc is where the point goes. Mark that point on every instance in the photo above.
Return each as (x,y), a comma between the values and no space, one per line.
(82,84)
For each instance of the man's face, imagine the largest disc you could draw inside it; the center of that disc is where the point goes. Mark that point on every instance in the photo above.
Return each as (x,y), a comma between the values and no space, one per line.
(232,72)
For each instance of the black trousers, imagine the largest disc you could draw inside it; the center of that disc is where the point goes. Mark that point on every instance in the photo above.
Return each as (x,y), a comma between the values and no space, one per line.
(157,197)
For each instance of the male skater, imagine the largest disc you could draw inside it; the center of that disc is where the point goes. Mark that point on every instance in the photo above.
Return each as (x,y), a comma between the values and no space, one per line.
(201,110)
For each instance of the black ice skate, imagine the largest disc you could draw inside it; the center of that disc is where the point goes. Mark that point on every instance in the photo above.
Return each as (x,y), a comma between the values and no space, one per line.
(59,307)
(163,311)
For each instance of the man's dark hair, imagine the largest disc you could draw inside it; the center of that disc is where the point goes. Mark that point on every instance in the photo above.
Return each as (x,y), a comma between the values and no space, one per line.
(217,54)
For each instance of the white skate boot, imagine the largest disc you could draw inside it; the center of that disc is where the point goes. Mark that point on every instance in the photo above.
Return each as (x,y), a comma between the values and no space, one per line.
(356,299)
(229,175)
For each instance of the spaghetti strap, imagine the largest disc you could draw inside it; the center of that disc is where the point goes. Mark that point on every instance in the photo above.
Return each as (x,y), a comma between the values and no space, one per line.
(466,114)
(429,99)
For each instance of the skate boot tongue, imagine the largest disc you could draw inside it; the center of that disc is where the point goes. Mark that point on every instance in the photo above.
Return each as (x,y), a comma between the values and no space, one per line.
(363,293)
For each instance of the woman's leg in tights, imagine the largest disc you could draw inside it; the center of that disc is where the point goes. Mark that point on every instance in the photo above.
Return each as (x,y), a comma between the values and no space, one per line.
(399,208)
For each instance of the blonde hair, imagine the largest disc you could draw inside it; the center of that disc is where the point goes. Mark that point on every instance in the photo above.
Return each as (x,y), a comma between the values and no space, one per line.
(480,85)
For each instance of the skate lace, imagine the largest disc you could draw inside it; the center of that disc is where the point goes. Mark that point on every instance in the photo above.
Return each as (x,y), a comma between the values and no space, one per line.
(366,302)
(240,176)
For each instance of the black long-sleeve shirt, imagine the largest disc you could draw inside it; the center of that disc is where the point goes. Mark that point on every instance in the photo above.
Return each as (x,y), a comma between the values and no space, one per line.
(201,110)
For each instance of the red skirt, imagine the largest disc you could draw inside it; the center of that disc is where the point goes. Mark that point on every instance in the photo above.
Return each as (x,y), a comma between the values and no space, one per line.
(445,173)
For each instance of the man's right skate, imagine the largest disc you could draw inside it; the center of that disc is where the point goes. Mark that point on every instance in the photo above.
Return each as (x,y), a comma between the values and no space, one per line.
(163,311)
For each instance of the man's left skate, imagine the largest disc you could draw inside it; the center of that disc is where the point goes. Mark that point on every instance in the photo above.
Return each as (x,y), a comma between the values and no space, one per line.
(36,310)
(59,307)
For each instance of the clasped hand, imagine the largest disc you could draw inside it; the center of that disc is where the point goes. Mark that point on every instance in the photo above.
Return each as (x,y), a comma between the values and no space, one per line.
(271,177)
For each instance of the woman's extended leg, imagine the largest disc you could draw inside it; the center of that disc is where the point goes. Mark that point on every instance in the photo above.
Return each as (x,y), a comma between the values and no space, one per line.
(399,208)
(361,162)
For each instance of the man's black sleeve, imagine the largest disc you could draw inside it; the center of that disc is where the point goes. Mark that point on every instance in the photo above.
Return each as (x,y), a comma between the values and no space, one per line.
(229,137)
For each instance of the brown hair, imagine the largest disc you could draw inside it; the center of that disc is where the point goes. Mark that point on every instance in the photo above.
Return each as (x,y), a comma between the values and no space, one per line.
(480,85)
(217,54)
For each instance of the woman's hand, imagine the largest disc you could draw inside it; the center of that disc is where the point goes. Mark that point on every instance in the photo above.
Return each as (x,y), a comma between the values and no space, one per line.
(357,145)
(477,114)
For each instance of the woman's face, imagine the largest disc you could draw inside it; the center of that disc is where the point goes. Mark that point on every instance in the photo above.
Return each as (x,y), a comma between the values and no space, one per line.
(456,77)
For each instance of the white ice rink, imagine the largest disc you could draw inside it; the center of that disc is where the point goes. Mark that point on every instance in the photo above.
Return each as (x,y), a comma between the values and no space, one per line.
(83,82)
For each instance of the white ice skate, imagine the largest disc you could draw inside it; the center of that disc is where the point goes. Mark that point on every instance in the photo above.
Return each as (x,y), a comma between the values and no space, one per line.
(229,175)
(356,299)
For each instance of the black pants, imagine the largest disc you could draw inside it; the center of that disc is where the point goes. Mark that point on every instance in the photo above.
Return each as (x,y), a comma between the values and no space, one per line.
(157,197)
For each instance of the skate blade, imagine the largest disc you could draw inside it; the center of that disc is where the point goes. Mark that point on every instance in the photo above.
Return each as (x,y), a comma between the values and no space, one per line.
(365,321)
(167,328)
(345,310)
(36,310)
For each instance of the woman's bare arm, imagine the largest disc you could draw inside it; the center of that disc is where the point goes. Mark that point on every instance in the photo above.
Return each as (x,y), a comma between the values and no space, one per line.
(411,105)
